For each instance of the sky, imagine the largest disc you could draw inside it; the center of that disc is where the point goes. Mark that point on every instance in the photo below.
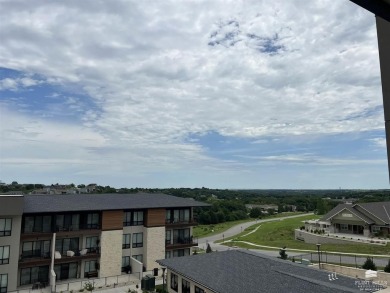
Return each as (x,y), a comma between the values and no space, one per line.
(220,94)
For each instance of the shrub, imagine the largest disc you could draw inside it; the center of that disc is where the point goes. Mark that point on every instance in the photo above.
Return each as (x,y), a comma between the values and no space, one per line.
(387,267)
(89,286)
(369,264)
(282,253)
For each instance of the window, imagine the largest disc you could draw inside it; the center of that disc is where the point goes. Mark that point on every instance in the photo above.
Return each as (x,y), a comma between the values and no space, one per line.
(66,271)
(127,219)
(138,240)
(36,249)
(37,224)
(199,290)
(133,218)
(90,266)
(93,221)
(168,236)
(185,286)
(65,244)
(344,227)
(34,274)
(126,264)
(126,241)
(181,236)
(181,252)
(91,244)
(178,216)
(68,222)
(5,227)
(138,257)
(168,254)
(3,283)
(376,229)
(174,282)
(138,218)
(4,255)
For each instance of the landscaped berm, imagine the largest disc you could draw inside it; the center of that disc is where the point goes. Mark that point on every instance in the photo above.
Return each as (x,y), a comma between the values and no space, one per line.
(281,233)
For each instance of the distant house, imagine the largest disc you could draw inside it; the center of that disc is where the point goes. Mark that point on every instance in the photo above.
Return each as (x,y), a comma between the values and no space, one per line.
(263,207)
(367,219)
(235,271)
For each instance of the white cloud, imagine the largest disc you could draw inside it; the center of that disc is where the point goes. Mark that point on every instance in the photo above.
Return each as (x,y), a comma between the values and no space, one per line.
(379,142)
(148,68)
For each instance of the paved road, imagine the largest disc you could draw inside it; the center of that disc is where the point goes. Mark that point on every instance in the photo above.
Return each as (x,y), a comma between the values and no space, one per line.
(202,242)
(345,259)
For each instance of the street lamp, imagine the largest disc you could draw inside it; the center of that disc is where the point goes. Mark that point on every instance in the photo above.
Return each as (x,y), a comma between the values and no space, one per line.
(163,276)
(319,255)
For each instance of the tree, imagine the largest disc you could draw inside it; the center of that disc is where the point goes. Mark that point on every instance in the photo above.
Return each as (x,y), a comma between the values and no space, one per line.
(387,267)
(282,253)
(208,249)
(369,264)
(271,212)
(255,213)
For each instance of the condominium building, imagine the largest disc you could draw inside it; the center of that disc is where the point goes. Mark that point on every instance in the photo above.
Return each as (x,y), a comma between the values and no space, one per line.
(46,238)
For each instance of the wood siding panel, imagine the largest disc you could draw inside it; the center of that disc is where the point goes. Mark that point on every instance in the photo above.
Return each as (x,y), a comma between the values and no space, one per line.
(112,220)
(155,218)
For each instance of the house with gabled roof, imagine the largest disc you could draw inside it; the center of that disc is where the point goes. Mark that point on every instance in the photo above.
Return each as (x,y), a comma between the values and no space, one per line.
(367,219)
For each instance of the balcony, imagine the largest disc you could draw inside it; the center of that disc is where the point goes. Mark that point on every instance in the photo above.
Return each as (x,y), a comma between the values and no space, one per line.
(181,243)
(38,258)
(70,230)
(173,223)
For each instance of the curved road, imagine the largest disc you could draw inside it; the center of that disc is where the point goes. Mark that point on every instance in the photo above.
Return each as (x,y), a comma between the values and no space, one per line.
(237,229)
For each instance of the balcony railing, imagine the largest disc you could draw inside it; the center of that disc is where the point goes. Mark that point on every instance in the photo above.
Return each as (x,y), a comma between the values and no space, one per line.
(77,227)
(59,229)
(181,242)
(38,257)
(180,222)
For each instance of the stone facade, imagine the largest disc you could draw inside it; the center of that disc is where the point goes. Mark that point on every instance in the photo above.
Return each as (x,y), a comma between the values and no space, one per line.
(154,246)
(13,242)
(111,253)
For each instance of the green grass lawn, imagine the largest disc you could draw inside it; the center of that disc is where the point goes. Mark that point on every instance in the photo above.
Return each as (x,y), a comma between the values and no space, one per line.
(209,230)
(281,233)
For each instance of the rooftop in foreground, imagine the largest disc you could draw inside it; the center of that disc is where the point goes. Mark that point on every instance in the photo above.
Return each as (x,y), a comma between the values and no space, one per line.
(245,271)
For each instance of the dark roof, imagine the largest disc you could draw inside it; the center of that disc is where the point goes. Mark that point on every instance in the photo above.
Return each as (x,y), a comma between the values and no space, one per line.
(379,209)
(349,208)
(235,271)
(99,202)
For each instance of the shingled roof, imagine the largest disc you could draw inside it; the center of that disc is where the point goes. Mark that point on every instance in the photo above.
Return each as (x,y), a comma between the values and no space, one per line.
(349,208)
(101,202)
(245,271)
(380,210)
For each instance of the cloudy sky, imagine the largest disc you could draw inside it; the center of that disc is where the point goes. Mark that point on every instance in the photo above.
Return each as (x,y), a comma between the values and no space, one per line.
(226,94)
